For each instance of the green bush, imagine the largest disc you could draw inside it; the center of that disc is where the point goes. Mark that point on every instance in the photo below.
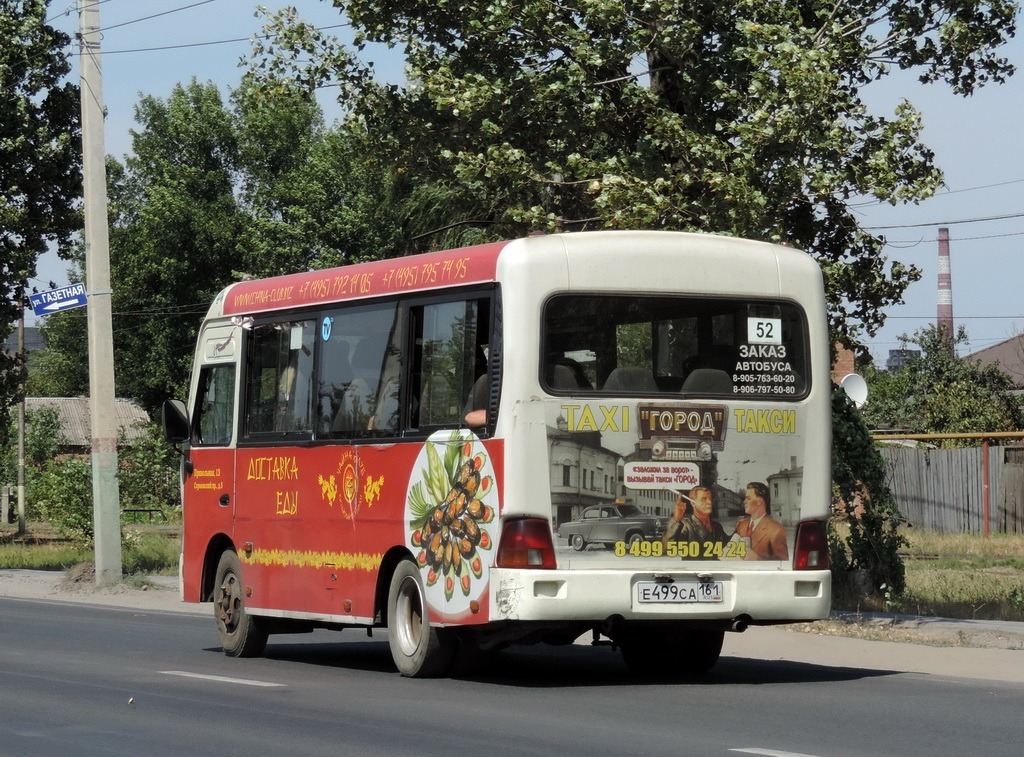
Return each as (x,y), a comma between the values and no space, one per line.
(149,553)
(147,473)
(58,487)
(873,540)
(62,495)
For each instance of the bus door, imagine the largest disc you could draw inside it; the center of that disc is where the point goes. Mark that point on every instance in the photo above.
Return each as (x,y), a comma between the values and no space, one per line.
(275,481)
(210,484)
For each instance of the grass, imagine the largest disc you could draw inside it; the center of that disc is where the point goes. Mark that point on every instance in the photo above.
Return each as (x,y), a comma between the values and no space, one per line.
(956,576)
(965,576)
(145,550)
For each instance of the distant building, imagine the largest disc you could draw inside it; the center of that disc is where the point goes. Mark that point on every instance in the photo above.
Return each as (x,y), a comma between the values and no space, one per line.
(898,358)
(1008,355)
(73,413)
(33,341)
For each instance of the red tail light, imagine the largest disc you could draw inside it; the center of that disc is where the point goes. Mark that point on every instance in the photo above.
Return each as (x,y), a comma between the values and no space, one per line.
(526,543)
(811,546)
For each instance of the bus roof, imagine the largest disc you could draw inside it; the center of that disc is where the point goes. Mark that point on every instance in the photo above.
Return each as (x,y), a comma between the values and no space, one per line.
(468,265)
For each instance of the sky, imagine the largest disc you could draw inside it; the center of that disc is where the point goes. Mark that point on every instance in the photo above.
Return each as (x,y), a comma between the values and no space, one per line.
(150,46)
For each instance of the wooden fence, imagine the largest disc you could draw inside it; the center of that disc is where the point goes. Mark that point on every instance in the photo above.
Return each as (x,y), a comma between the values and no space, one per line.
(942,489)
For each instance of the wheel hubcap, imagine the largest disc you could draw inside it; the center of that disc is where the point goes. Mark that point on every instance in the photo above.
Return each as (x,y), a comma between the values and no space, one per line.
(409,623)
(229,602)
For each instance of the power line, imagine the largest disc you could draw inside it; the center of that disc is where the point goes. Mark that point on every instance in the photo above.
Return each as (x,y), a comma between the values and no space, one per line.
(981,219)
(235,40)
(156,15)
(914,242)
(74,7)
(958,318)
(938,195)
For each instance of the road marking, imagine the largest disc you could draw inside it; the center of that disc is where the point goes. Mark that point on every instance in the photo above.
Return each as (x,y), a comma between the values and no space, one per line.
(771,752)
(221,679)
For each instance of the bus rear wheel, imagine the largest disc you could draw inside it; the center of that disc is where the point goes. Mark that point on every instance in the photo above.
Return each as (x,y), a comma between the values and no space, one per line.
(661,654)
(241,635)
(418,649)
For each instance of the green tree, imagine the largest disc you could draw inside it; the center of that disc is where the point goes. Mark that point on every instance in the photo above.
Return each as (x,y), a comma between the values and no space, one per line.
(936,392)
(873,540)
(212,190)
(175,226)
(314,197)
(40,159)
(743,117)
(174,236)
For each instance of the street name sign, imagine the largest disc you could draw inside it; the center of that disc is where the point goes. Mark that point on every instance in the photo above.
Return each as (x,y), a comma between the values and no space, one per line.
(56,300)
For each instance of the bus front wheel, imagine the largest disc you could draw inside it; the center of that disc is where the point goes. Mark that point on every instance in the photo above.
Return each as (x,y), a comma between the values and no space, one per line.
(418,649)
(240,633)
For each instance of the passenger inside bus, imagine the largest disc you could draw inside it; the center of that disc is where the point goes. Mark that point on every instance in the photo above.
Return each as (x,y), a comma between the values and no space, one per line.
(476,408)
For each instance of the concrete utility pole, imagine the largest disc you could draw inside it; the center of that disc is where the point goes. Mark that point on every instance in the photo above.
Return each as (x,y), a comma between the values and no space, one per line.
(103,421)
(21,417)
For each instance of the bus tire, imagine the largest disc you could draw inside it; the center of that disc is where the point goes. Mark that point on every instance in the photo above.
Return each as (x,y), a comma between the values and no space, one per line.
(418,649)
(577,542)
(241,634)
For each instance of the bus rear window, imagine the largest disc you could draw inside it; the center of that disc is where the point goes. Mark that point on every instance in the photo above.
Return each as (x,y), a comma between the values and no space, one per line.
(681,345)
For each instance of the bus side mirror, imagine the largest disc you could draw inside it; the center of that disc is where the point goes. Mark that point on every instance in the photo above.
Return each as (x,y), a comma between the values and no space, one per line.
(174,419)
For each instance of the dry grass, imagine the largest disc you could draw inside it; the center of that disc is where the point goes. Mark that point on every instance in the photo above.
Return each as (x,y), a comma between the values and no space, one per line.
(956,576)
(965,576)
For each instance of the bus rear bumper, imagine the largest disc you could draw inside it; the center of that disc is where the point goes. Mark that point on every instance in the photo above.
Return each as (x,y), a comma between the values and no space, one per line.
(758,596)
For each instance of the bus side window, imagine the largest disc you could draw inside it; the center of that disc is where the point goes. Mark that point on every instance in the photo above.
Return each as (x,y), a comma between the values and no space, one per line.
(450,336)
(280,384)
(361,359)
(215,405)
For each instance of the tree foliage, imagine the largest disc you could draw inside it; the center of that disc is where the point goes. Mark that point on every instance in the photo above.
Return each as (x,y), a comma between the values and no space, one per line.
(212,191)
(936,392)
(40,158)
(743,117)
(873,539)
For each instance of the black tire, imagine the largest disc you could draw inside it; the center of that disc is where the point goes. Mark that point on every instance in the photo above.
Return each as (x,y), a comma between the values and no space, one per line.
(634,537)
(418,649)
(671,654)
(240,633)
(577,542)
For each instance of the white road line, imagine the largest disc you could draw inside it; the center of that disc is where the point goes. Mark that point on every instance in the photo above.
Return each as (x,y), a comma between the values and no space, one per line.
(221,679)
(771,752)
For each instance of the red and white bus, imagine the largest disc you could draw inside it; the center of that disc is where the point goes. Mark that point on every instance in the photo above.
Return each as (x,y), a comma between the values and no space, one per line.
(618,433)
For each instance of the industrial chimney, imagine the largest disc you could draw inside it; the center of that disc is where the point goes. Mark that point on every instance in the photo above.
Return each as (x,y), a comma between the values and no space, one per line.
(945,294)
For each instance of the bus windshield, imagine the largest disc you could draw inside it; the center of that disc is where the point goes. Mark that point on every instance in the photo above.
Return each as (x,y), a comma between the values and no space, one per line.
(629,344)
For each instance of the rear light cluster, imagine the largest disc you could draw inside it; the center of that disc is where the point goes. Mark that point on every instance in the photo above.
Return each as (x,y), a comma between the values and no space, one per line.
(526,543)
(811,546)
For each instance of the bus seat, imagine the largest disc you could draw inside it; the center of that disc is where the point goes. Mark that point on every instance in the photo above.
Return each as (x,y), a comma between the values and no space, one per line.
(354,411)
(385,417)
(707,381)
(630,379)
(562,377)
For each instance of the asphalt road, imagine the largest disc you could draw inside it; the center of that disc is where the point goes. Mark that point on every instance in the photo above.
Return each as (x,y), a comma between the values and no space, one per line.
(91,679)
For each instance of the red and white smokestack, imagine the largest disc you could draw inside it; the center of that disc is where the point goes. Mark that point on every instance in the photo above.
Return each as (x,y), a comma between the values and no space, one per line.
(945,313)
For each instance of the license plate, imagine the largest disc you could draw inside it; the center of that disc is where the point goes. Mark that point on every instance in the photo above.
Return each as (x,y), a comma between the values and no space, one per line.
(651,592)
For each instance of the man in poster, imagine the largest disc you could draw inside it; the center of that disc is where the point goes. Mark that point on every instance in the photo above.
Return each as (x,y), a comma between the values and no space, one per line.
(697,525)
(765,536)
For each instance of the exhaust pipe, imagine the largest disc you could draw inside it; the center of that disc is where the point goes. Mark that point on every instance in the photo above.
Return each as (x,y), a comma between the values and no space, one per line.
(738,626)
